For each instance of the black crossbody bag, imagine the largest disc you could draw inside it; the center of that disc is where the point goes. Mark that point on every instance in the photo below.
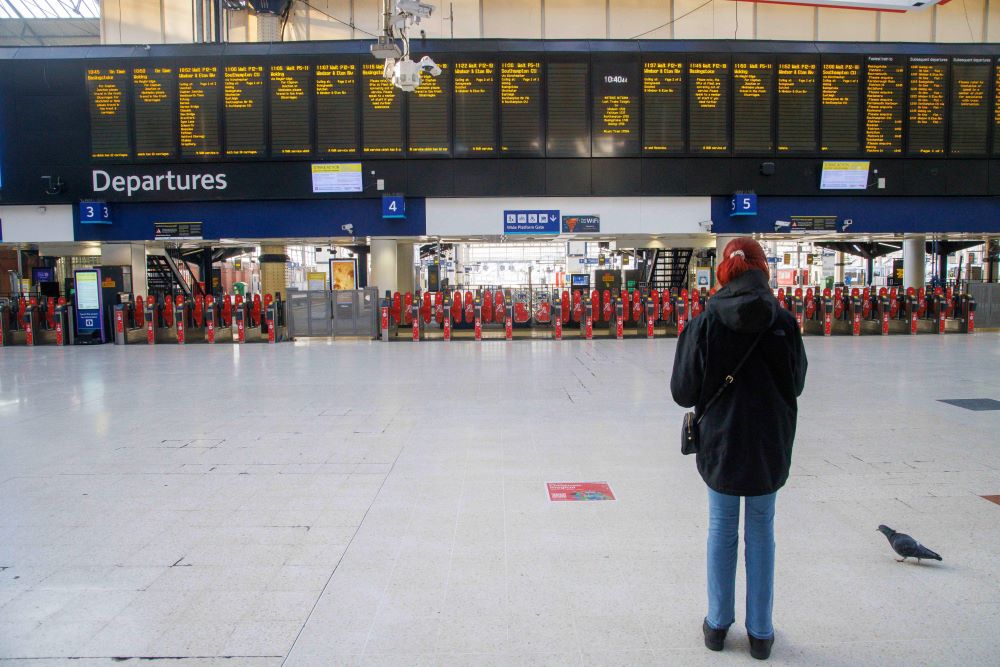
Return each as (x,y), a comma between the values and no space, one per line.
(689,429)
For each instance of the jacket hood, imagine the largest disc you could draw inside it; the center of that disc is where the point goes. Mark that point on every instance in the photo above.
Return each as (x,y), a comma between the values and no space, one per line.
(746,304)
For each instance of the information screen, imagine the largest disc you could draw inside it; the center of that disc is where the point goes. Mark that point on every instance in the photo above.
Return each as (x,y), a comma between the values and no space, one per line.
(107,92)
(844,176)
(567,121)
(970,105)
(708,105)
(475,108)
(663,106)
(884,97)
(381,112)
(840,100)
(926,125)
(291,115)
(796,105)
(430,114)
(753,92)
(616,109)
(198,111)
(243,109)
(336,107)
(154,94)
(521,108)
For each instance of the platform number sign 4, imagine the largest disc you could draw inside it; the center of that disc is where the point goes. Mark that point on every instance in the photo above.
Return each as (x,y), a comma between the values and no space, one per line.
(95,213)
(393,207)
(743,203)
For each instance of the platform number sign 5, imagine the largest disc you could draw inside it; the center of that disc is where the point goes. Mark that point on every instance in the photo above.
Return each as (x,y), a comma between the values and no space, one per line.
(743,203)
(95,213)
(393,207)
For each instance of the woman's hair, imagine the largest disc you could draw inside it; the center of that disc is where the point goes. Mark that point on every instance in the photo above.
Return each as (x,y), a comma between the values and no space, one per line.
(741,255)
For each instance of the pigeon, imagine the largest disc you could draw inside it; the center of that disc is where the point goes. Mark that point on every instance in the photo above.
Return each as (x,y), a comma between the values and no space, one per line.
(906,546)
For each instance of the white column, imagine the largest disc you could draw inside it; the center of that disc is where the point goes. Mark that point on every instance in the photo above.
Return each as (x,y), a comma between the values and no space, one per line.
(838,268)
(914,261)
(127,254)
(383,262)
(404,266)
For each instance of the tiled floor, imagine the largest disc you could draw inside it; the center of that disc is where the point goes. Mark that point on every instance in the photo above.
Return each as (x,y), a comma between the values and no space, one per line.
(384,504)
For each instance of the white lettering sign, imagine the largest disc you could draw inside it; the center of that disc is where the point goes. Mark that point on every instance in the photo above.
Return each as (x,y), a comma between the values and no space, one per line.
(102,181)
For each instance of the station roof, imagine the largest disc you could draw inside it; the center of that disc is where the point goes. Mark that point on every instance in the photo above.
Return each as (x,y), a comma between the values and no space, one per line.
(49,22)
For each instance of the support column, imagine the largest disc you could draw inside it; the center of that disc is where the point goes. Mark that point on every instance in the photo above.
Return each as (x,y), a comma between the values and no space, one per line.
(383,274)
(272,269)
(914,259)
(404,266)
(128,254)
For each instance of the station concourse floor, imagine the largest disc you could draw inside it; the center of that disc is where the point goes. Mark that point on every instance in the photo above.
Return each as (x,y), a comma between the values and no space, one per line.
(353,502)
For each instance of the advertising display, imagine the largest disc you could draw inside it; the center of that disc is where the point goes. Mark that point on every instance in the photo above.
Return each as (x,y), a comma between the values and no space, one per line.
(343,274)
(89,316)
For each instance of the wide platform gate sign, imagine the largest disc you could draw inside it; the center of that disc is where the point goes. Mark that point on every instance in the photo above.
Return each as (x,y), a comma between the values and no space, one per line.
(531,222)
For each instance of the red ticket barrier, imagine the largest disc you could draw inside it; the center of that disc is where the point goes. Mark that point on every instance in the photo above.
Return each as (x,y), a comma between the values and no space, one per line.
(168,311)
(827,308)
(667,307)
(210,315)
(499,308)
(950,295)
(921,303)
(781,298)
(470,309)
(456,307)
(439,307)
(636,306)
(558,328)
(396,309)
(893,303)
(199,309)
(446,323)
(626,311)
(407,309)
(50,313)
(227,311)
(681,310)
(565,311)
(654,297)
(607,308)
(521,314)
(577,306)
(426,309)
(488,306)
(810,304)
(838,304)
(140,312)
(543,311)
(595,306)
(695,304)
(866,303)
(508,329)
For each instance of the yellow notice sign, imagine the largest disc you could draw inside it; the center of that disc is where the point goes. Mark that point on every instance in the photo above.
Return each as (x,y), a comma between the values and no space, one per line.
(336,177)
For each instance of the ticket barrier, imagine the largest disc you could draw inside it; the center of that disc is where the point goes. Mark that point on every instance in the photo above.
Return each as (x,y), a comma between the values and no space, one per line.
(799,309)
(415,321)
(587,320)
(125,320)
(508,323)
(477,318)
(650,316)
(216,330)
(557,316)
(680,312)
(967,313)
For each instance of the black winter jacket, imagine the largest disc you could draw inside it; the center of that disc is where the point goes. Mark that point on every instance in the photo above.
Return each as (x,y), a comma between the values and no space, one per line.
(746,438)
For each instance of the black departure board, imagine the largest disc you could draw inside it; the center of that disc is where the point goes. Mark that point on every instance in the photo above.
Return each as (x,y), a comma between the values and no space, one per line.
(474,82)
(996,109)
(429,126)
(840,106)
(567,121)
(970,105)
(198,110)
(521,108)
(381,112)
(708,105)
(753,92)
(107,93)
(336,104)
(615,121)
(884,97)
(154,94)
(663,106)
(243,110)
(796,79)
(926,125)
(291,113)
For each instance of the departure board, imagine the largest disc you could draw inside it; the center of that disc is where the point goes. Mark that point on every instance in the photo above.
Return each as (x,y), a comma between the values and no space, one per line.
(753,91)
(840,106)
(796,105)
(708,105)
(154,93)
(198,110)
(430,115)
(521,108)
(996,109)
(616,109)
(291,115)
(926,126)
(475,86)
(107,93)
(970,105)
(567,121)
(336,103)
(243,110)
(884,96)
(663,106)
(381,112)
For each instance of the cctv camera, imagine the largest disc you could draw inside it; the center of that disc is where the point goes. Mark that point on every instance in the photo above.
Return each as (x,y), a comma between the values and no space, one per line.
(706,225)
(418,10)
(349,228)
(428,65)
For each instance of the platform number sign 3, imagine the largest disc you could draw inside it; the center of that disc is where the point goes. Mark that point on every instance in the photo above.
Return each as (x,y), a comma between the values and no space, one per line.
(393,207)
(743,203)
(95,213)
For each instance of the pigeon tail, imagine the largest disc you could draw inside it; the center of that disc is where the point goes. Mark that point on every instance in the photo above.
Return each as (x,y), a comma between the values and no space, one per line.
(923,552)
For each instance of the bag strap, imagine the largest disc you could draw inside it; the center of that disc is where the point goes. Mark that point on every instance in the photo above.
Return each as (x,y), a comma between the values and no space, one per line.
(731,377)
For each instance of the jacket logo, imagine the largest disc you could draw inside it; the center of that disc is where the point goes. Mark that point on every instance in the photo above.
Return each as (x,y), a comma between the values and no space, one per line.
(778,332)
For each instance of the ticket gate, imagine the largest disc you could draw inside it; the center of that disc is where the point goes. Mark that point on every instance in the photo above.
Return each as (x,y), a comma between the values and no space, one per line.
(125,324)
(967,313)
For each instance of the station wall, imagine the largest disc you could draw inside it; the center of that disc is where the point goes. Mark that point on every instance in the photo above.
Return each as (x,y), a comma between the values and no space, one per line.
(171,21)
(36,224)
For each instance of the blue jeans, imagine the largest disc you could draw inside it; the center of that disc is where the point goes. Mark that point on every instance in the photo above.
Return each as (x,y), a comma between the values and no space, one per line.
(758,536)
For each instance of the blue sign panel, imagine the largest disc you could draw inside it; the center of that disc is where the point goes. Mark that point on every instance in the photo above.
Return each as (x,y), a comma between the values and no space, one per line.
(531,222)
(743,203)
(577,224)
(95,213)
(87,296)
(393,206)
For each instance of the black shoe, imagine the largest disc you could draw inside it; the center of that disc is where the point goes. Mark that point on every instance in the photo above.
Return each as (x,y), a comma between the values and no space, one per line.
(760,648)
(714,639)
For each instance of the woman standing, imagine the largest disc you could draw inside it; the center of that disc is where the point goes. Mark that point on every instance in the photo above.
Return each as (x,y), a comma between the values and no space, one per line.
(746,435)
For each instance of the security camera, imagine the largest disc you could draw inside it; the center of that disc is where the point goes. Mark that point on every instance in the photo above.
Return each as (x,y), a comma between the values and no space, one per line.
(847,223)
(428,66)
(349,228)
(706,225)
(782,224)
(414,8)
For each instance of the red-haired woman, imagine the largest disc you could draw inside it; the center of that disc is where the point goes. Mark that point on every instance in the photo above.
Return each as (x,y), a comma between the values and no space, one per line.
(745,438)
